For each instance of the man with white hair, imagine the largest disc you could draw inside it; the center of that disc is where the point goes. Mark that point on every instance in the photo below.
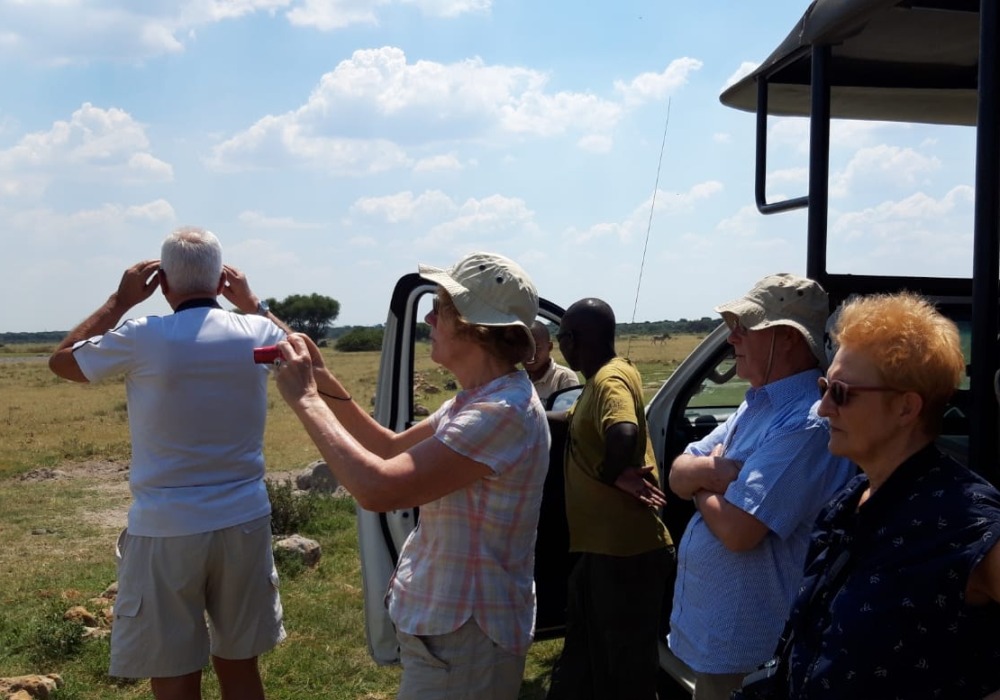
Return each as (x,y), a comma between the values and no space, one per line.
(758,482)
(547,375)
(198,542)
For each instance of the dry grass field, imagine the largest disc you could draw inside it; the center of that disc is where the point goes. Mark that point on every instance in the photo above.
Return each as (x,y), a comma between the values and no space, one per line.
(64,453)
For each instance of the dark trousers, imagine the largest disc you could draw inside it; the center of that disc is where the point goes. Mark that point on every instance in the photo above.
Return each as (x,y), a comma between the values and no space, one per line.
(612,627)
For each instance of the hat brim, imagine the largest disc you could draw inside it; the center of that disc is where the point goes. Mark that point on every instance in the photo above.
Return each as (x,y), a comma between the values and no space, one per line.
(752,317)
(473,310)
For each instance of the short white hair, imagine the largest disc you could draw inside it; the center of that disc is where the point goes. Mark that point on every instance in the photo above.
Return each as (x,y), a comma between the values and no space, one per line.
(191,257)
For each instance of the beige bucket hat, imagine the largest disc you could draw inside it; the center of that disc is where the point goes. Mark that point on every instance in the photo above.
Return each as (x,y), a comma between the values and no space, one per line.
(488,290)
(783,299)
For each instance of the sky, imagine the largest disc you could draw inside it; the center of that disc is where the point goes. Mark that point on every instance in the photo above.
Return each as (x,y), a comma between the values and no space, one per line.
(332,145)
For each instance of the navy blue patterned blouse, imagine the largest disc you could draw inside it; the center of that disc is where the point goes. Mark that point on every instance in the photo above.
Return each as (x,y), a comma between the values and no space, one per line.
(881,611)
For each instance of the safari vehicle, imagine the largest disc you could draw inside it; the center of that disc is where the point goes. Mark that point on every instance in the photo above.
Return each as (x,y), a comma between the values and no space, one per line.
(916,61)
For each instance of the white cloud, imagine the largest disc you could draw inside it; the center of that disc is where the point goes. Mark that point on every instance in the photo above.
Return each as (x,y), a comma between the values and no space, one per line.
(844,133)
(94,143)
(377,91)
(743,224)
(745,69)
(68,231)
(882,164)
(795,176)
(438,163)
(256,219)
(450,8)
(495,217)
(404,207)
(58,33)
(650,87)
(667,204)
(894,218)
(327,15)
(918,235)
(596,143)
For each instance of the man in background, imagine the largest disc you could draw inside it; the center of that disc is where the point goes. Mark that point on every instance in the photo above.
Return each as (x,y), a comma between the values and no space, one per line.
(546,374)
(198,542)
(625,555)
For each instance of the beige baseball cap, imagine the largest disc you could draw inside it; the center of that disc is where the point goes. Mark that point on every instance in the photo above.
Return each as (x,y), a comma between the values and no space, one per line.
(488,290)
(783,299)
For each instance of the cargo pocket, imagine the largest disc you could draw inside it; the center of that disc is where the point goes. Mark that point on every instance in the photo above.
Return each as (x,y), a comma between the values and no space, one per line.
(127,605)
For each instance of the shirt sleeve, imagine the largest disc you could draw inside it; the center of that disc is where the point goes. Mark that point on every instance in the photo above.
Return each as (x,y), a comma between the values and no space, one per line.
(704,447)
(105,355)
(783,482)
(484,431)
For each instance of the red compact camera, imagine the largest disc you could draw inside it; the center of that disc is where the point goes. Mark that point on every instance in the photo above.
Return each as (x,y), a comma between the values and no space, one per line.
(266,355)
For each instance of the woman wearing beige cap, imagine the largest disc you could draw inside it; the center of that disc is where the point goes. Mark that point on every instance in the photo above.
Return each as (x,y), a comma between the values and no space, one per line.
(462,597)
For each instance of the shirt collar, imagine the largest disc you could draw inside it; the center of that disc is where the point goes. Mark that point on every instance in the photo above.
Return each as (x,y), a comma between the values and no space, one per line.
(197,304)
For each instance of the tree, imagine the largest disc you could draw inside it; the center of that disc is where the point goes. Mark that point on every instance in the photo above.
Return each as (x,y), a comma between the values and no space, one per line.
(311,314)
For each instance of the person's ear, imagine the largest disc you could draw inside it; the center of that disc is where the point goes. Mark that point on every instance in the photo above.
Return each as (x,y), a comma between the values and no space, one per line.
(164,284)
(222,283)
(910,406)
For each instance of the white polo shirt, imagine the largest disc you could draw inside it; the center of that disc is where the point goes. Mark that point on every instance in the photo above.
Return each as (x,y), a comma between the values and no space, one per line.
(197,404)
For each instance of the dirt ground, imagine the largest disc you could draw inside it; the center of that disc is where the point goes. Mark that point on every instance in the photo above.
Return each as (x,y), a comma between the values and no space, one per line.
(109,480)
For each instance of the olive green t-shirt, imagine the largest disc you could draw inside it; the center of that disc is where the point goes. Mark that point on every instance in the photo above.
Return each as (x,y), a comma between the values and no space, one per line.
(602,518)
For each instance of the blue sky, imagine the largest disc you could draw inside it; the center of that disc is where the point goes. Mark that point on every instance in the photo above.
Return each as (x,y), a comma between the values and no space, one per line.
(334,144)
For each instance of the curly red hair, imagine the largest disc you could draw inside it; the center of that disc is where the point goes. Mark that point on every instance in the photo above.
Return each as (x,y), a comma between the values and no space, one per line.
(914,346)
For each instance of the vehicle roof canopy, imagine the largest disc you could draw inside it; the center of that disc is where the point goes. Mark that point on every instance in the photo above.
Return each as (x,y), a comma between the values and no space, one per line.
(912,61)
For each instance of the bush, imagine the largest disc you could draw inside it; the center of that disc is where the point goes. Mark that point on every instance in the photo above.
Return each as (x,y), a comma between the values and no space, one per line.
(50,638)
(290,511)
(288,564)
(360,340)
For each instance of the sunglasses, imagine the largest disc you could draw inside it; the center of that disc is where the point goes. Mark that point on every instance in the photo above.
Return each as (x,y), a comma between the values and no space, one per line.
(840,392)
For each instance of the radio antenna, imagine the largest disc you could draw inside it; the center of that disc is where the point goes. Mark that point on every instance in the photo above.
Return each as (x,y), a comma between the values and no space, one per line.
(649,226)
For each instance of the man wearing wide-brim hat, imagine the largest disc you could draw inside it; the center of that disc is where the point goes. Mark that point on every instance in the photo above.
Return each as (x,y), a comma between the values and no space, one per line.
(757,482)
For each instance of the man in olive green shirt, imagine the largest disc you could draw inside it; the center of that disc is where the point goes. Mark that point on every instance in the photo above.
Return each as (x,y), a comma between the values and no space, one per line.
(625,555)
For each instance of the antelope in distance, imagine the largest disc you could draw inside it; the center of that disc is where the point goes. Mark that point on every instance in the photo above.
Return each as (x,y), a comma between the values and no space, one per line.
(660,339)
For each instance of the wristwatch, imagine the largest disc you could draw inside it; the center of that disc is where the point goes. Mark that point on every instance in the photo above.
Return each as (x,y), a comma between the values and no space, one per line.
(262,308)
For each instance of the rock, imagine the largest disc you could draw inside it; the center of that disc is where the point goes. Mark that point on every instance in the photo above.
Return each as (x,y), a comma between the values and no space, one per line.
(44,474)
(309,550)
(33,687)
(420,410)
(317,477)
(80,614)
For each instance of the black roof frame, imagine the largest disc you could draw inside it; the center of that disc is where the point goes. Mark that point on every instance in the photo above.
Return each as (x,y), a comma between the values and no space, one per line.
(839,62)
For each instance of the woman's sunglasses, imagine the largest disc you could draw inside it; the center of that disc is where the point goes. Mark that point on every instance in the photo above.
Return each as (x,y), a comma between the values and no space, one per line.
(840,392)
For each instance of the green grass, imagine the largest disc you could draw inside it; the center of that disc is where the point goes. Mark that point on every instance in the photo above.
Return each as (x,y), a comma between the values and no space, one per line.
(57,554)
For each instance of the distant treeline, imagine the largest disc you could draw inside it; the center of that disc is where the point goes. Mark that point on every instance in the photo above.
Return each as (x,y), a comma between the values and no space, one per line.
(46,337)
(701,326)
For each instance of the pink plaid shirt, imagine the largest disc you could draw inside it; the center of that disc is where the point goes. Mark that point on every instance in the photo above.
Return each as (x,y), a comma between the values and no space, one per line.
(472,554)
